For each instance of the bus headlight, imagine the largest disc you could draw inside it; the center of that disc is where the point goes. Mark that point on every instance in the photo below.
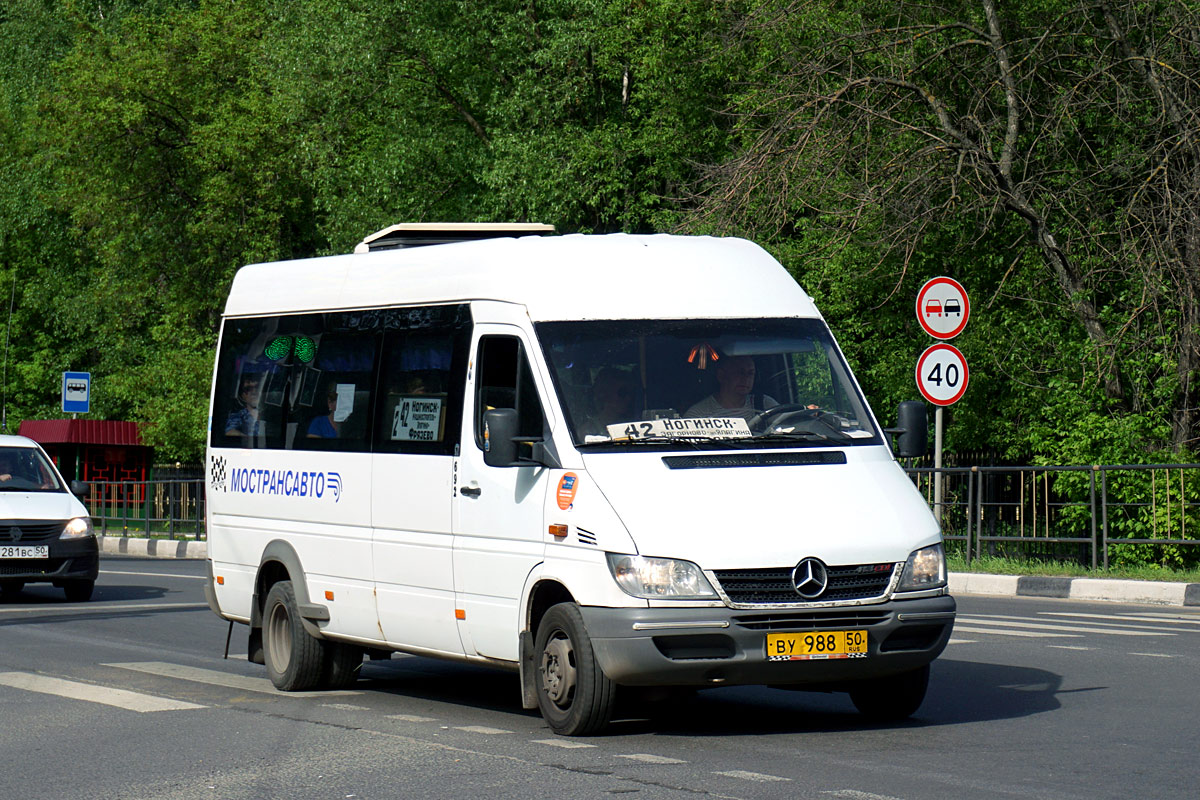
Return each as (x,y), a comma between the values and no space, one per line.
(925,569)
(659,578)
(78,528)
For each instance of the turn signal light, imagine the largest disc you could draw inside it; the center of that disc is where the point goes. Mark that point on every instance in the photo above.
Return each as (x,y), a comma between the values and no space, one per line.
(558,531)
(328,595)
(220,580)
(460,613)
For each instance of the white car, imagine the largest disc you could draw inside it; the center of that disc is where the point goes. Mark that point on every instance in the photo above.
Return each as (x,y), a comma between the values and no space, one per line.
(46,534)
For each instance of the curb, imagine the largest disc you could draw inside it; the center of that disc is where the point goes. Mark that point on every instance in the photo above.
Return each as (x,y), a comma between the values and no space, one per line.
(1101,590)
(1096,590)
(152,548)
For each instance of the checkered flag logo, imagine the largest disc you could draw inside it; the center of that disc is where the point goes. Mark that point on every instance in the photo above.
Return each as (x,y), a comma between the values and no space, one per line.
(217,473)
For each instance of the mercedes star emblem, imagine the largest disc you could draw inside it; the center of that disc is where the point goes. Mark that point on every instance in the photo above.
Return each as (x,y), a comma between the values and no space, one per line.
(810,578)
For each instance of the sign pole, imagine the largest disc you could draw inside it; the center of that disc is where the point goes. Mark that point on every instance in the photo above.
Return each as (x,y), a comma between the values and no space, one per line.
(937,464)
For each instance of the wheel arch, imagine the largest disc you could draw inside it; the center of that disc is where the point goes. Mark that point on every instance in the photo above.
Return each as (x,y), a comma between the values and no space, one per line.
(281,562)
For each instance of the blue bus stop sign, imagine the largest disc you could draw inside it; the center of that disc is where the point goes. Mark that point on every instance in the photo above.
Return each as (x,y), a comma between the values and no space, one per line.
(76,392)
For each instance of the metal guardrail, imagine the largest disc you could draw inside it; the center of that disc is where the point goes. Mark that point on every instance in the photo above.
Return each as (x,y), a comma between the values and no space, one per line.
(1085,513)
(174,508)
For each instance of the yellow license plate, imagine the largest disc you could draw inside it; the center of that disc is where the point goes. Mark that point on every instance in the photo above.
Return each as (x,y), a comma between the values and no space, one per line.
(815,645)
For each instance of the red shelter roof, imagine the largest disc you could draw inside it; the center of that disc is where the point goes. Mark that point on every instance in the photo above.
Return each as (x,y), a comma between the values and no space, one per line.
(81,431)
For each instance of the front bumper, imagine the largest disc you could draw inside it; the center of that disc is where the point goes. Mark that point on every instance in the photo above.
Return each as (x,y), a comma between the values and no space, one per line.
(70,559)
(725,647)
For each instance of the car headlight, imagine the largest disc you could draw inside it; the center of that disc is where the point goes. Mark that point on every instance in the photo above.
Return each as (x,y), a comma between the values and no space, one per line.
(925,569)
(78,528)
(657,578)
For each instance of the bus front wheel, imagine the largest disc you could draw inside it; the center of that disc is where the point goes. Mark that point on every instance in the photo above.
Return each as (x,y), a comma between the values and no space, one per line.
(574,695)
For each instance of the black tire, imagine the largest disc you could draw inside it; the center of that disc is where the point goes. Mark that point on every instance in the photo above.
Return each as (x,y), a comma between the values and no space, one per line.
(893,698)
(78,591)
(574,695)
(10,589)
(342,664)
(295,661)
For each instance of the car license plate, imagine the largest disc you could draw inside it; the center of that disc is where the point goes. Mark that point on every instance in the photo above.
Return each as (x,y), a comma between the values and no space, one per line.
(815,645)
(24,551)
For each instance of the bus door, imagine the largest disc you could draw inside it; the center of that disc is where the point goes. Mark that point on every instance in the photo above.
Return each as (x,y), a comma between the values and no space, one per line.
(422,373)
(498,522)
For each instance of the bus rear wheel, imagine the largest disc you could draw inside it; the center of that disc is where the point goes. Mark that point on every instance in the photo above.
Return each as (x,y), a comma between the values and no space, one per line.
(574,695)
(294,660)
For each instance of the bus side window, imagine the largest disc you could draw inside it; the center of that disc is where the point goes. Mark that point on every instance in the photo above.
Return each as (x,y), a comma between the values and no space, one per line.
(333,393)
(506,381)
(422,376)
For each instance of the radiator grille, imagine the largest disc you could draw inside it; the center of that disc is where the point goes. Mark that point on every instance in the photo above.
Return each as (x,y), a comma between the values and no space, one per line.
(20,531)
(774,585)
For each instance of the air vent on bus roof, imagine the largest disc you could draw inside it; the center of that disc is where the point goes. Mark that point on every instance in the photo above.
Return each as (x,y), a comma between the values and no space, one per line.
(417,234)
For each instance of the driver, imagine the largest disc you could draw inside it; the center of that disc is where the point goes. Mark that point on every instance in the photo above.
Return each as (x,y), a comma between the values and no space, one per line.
(734,396)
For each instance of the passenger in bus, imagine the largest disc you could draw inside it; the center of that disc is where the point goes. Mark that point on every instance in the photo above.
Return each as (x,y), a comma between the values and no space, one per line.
(244,421)
(328,426)
(735,392)
(612,401)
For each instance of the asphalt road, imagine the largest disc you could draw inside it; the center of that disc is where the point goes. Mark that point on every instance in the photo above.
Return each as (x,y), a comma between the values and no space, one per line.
(128,697)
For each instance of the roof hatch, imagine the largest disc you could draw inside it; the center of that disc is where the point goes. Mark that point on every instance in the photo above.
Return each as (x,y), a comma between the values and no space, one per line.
(418,234)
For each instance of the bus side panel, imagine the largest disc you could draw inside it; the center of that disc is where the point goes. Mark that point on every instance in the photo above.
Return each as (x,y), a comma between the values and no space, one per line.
(413,550)
(320,504)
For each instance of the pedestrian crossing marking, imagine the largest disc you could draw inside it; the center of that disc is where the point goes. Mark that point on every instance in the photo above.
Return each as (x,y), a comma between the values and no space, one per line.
(217,678)
(74,690)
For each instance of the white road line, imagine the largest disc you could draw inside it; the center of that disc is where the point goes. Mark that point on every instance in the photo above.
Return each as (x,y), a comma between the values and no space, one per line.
(1025,634)
(1181,620)
(480,729)
(215,678)
(411,718)
(1154,655)
(564,743)
(1167,615)
(741,774)
(1008,623)
(96,608)
(854,794)
(651,759)
(1124,621)
(133,701)
(153,574)
(344,707)
(961,641)
(1067,647)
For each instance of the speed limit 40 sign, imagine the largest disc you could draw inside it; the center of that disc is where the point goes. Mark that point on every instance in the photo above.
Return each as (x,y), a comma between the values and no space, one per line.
(942,374)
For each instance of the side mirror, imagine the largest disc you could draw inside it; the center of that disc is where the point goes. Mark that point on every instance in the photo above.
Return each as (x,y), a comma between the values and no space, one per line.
(912,425)
(499,428)
(79,488)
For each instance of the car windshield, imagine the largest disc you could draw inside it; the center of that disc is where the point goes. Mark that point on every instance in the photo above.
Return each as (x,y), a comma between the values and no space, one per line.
(738,382)
(25,469)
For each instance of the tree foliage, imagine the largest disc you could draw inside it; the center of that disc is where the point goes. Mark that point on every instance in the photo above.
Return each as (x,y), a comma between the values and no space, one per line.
(1044,154)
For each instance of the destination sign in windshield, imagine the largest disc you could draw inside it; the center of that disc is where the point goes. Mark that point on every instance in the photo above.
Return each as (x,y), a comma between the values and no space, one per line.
(706,427)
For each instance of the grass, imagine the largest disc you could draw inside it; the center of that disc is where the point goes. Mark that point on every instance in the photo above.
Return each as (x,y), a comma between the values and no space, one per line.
(995,565)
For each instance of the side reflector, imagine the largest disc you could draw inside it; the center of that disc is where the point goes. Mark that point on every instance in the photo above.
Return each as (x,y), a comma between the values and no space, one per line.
(460,613)
(220,580)
(328,595)
(558,531)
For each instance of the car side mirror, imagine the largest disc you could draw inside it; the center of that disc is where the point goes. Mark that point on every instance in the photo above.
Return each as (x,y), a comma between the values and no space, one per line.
(912,430)
(499,430)
(79,488)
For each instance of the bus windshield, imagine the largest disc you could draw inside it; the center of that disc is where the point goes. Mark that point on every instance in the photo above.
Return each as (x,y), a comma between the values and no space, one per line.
(737,381)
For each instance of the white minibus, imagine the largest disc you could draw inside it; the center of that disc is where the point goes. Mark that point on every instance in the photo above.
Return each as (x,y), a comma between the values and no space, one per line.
(601,461)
